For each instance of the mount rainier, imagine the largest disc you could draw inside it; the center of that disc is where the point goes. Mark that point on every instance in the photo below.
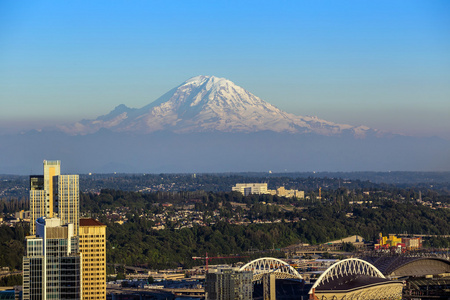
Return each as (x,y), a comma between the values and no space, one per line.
(209,104)
(209,124)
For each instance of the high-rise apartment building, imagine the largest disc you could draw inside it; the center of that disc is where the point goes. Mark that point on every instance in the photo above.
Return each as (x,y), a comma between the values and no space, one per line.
(229,284)
(54,195)
(41,192)
(93,248)
(52,264)
(65,256)
(67,199)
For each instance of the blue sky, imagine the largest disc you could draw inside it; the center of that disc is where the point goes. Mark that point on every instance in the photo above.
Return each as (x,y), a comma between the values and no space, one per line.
(384,64)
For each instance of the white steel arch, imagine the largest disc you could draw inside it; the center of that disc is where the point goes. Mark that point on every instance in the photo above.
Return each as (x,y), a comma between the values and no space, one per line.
(266,265)
(349,266)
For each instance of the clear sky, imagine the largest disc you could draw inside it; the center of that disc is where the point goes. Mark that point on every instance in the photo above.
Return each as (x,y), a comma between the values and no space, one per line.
(384,64)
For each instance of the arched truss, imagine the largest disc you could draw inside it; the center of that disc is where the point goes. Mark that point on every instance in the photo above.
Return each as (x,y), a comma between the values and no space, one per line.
(350,266)
(265,265)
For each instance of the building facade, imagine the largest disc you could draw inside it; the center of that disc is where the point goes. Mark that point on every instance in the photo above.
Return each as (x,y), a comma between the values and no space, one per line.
(54,195)
(41,192)
(282,192)
(67,199)
(93,248)
(52,265)
(229,284)
(261,188)
(250,188)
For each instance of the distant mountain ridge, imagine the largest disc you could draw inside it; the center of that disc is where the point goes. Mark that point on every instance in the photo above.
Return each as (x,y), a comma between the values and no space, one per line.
(210,104)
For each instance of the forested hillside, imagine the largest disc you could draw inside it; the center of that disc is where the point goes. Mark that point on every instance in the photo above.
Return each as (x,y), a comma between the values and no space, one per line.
(230,229)
(12,245)
(165,229)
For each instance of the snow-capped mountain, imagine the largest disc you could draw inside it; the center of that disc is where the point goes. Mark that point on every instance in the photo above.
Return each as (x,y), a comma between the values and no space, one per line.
(208,124)
(209,104)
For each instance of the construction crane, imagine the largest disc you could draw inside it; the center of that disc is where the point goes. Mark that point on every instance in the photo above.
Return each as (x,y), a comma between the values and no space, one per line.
(207,258)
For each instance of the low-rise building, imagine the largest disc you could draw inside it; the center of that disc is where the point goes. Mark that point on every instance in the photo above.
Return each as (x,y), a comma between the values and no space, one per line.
(412,243)
(22,215)
(261,188)
(283,192)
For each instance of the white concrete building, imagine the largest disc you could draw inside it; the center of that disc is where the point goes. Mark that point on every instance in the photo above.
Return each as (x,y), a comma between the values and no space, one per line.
(250,188)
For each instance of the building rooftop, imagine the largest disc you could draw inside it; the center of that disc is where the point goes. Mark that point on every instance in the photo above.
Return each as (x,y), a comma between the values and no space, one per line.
(410,265)
(90,222)
(351,282)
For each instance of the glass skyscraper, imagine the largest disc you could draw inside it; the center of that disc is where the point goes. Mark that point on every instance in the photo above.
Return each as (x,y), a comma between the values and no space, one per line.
(52,266)
(54,195)
(41,192)
(65,257)
(66,200)
(52,263)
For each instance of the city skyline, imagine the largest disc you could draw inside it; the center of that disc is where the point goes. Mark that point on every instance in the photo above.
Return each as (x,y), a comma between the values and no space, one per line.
(382,65)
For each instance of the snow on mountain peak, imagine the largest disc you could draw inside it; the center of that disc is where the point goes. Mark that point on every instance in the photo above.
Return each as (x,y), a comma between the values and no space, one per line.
(207,104)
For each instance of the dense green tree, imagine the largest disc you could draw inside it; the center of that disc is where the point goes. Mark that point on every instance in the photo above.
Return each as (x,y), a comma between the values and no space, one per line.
(11,280)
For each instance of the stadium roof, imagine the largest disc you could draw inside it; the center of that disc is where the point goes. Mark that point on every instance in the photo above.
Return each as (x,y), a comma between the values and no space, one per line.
(399,266)
(352,282)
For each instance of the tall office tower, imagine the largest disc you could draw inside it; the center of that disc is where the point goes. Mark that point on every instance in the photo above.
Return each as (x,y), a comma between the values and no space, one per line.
(93,248)
(67,199)
(228,284)
(41,192)
(52,264)
(54,195)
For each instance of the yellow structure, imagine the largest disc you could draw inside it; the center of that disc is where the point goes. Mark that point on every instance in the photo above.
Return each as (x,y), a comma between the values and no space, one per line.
(390,240)
(93,248)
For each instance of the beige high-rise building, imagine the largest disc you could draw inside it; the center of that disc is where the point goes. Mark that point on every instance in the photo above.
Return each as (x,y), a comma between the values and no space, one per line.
(55,271)
(54,195)
(67,199)
(93,248)
(41,192)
